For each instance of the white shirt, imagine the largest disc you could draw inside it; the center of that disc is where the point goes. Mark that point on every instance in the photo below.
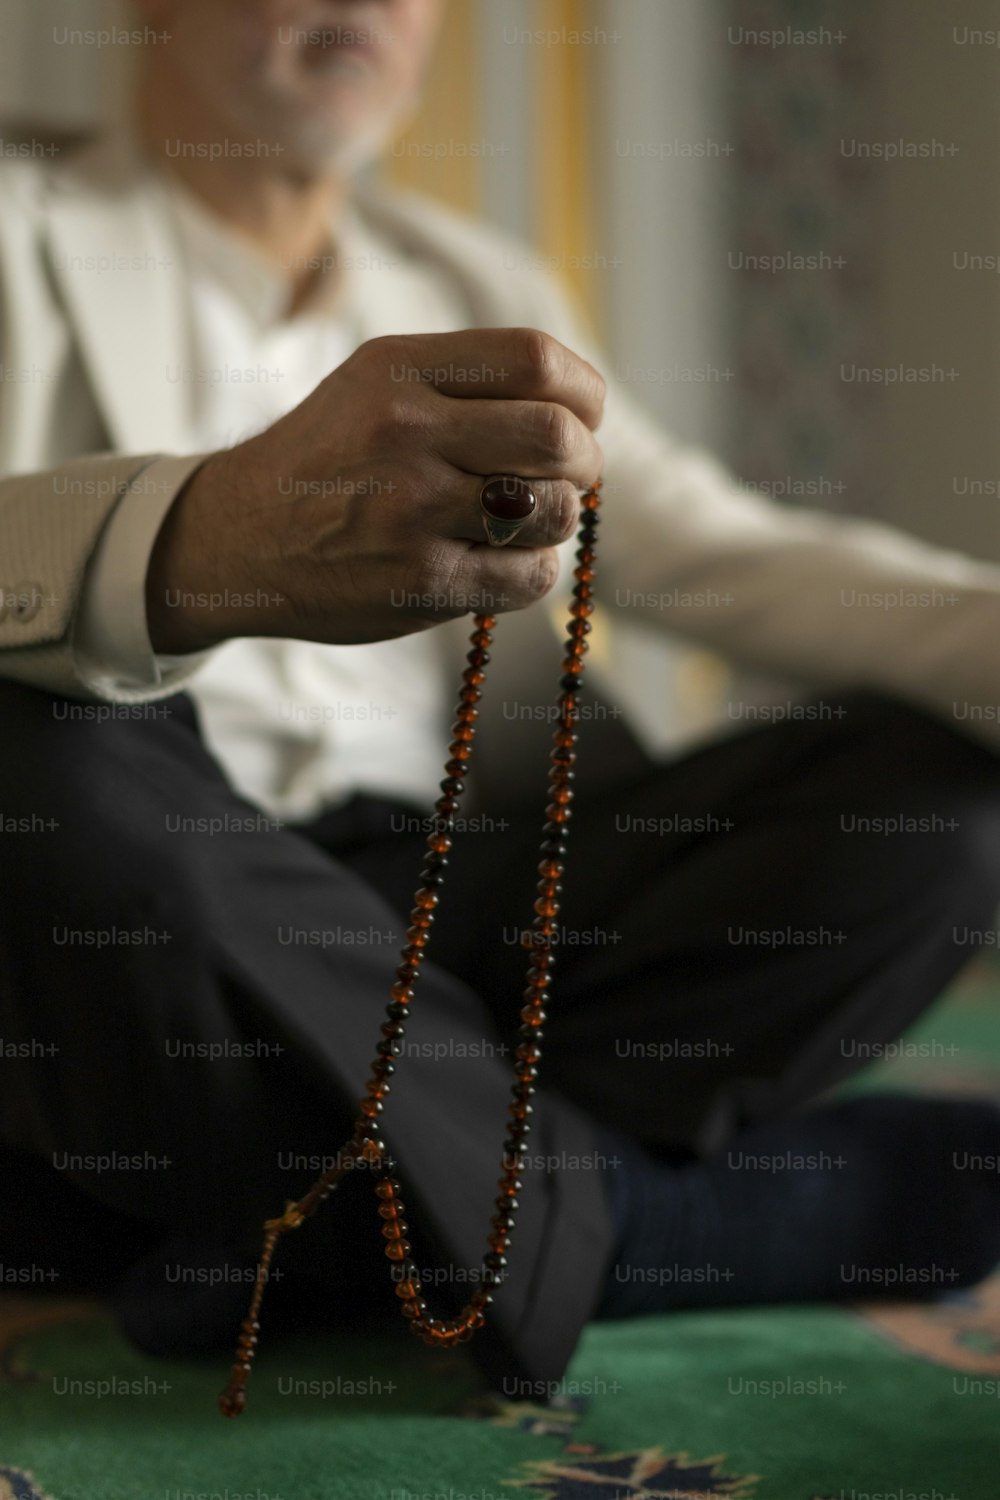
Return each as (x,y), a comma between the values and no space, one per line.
(296,726)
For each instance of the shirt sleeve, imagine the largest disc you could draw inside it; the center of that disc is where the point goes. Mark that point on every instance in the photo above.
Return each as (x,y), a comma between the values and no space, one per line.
(112,652)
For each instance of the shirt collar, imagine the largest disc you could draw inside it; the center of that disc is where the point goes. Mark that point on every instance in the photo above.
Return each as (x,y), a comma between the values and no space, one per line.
(262,288)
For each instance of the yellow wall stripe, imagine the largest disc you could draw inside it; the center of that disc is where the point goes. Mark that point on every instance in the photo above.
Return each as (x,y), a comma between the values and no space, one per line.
(564,186)
(436,152)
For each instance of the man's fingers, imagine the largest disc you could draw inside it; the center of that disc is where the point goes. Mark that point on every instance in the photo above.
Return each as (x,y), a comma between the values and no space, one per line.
(494,579)
(555,518)
(534,439)
(506,364)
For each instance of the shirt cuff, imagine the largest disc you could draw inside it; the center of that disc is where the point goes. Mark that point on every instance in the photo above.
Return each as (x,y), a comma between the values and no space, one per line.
(112,651)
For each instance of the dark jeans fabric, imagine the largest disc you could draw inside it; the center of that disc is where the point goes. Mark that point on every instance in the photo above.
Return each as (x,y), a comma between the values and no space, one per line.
(196,993)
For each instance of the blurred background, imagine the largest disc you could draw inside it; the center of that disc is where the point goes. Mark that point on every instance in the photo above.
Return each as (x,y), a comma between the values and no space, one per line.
(666,158)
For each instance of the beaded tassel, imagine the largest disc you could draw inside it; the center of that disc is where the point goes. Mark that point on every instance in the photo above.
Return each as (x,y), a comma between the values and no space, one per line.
(366,1145)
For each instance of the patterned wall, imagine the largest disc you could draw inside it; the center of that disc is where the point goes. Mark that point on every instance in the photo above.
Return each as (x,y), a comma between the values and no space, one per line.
(804,201)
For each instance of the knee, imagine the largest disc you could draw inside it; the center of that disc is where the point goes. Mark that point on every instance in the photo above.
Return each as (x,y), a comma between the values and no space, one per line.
(926,797)
(85,786)
(913,743)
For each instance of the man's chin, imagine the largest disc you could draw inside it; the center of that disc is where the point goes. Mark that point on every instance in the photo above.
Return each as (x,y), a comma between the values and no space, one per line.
(320,149)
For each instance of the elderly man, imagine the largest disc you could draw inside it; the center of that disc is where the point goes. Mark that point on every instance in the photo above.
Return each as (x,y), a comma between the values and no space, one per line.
(241,538)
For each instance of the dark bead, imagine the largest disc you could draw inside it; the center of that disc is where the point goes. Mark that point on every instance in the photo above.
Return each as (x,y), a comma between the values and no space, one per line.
(397,1011)
(453,786)
(478,657)
(389,1049)
(431,876)
(495,1262)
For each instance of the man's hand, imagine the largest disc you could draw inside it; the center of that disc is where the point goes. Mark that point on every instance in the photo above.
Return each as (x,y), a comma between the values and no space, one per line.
(356,516)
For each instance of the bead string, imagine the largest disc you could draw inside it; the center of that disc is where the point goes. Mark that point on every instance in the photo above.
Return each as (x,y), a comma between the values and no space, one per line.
(366,1146)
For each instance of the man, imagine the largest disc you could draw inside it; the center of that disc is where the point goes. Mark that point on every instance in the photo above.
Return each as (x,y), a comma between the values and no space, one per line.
(227,666)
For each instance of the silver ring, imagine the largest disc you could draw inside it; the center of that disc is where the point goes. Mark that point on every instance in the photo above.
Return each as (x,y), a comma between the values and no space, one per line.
(506,503)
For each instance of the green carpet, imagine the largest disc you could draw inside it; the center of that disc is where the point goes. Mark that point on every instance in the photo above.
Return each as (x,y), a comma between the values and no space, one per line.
(898,1402)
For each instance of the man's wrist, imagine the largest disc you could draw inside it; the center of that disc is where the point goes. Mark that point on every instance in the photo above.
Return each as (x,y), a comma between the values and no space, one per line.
(181,582)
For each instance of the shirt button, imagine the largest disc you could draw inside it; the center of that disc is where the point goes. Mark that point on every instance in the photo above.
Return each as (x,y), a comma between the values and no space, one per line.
(24,601)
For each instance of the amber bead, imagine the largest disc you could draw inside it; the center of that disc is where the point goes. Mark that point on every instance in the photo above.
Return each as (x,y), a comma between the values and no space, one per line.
(546,908)
(398,1249)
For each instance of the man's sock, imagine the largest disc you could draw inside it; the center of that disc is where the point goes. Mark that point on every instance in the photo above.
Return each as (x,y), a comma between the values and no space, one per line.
(876,1196)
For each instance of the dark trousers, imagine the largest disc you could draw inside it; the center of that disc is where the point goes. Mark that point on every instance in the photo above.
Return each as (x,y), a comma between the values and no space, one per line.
(190,996)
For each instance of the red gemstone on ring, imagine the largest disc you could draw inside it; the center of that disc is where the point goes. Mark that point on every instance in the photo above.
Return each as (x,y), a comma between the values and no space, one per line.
(505,497)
